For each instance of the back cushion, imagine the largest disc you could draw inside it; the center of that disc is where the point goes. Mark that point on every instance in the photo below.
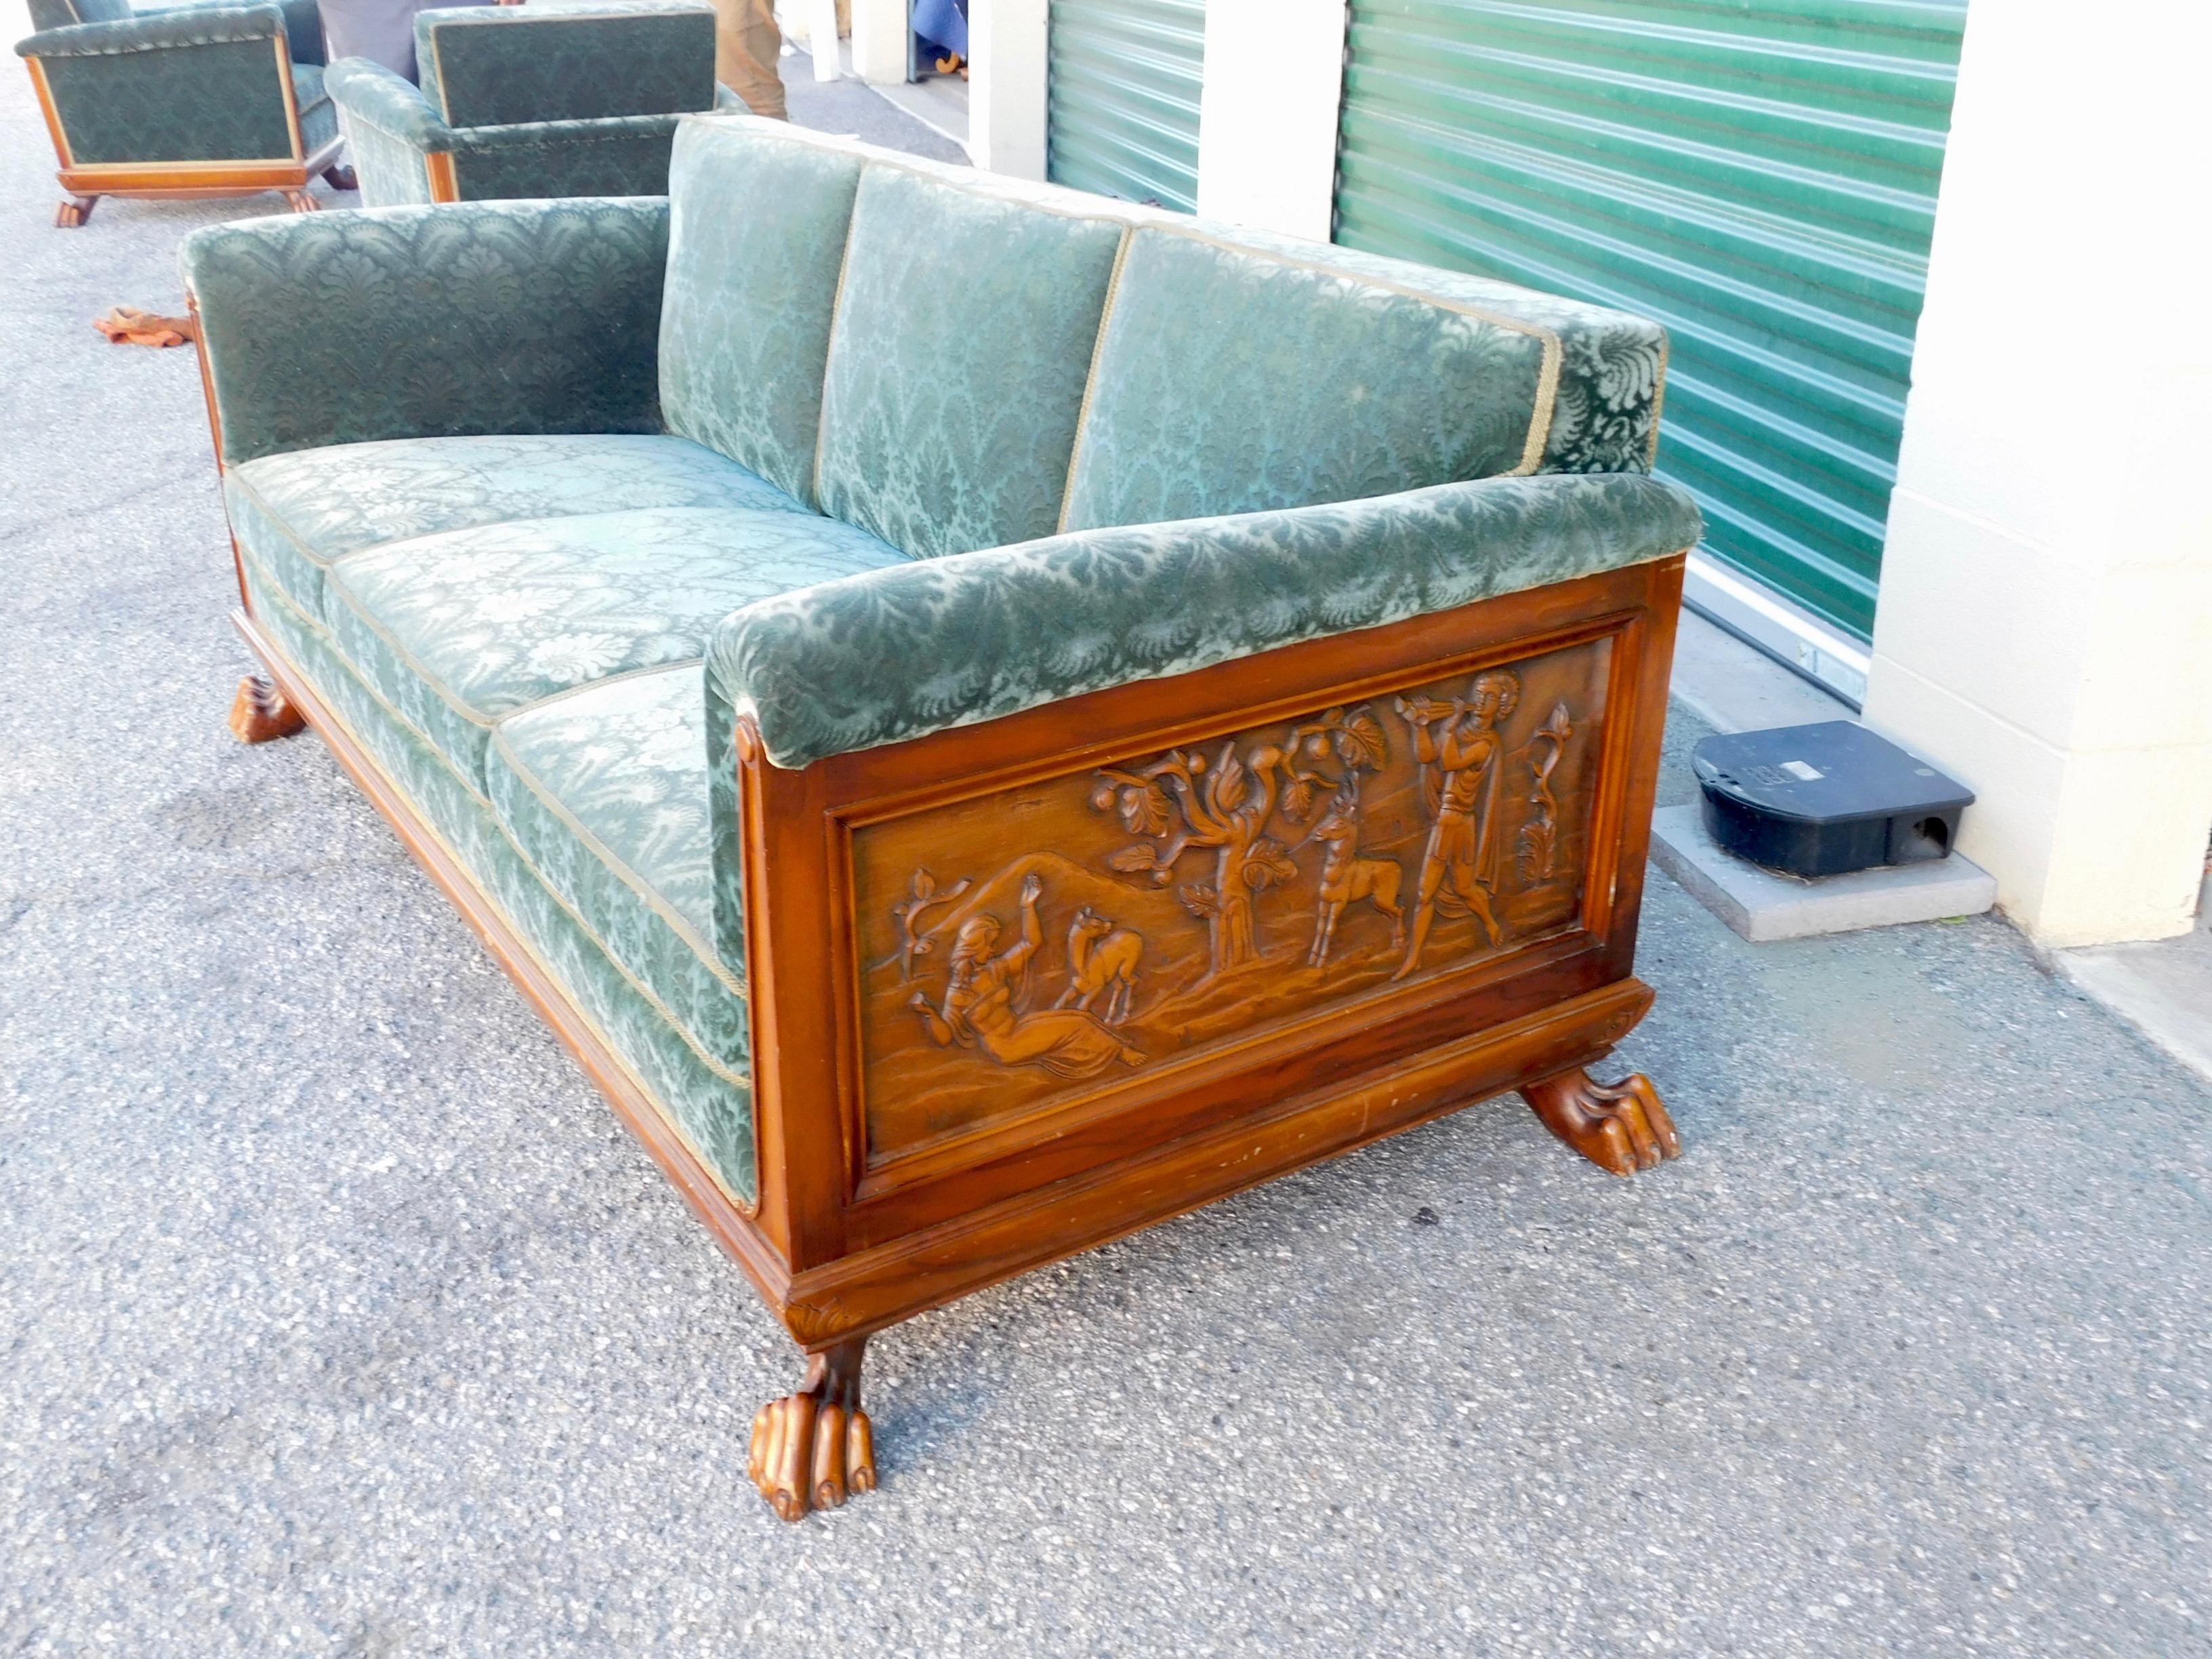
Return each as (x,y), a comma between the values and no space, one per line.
(60,14)
(1236,380)
(756,235)
(489,66)
(956,371)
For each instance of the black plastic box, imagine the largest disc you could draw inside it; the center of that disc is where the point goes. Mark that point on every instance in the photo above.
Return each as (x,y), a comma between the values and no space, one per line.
(1826,800)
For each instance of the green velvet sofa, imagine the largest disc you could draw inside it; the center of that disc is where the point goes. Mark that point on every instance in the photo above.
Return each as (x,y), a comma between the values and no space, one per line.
(182,101)
(986,716)
(553,98)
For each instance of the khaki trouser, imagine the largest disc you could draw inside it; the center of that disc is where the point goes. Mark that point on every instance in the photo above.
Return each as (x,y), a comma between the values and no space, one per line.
(747,45)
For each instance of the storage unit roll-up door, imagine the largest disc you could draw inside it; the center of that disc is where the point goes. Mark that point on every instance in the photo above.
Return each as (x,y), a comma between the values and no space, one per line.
(1758,176)
(1122,110)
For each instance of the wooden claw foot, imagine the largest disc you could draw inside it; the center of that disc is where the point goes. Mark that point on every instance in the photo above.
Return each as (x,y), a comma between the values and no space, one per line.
(1620,1126)
(299,202)
(259,713)
(813,1449)
(74,211)
(341,178)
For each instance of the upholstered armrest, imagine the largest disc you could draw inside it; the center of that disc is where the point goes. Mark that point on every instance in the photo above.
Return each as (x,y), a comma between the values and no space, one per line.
(902,651)
(187,26)
(483,317)
(367,91)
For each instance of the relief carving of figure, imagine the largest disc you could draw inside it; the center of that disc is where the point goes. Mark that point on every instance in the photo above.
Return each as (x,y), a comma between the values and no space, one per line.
(1346,877)
(982,1006)
(1100,957)
(1459,740)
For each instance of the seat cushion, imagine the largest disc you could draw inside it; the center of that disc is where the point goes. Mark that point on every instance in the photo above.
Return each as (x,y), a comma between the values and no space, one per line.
(604,791)
(456,630)
(958,362)
(300,511)
(758,216)
(1234,380)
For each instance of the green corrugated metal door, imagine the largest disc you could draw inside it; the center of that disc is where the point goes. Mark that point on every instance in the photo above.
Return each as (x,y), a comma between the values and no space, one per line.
(1122,110)
(1759,176)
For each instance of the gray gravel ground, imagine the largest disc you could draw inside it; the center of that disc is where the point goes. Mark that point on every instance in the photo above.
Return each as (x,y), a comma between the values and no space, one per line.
(337,1315)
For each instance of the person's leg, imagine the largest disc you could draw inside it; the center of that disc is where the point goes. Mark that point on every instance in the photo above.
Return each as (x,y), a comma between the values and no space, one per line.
(747,45)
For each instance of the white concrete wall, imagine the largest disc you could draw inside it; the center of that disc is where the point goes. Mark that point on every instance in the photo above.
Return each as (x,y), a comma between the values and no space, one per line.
(879,40)
(1267,131)
(1007,82)
(2044,629)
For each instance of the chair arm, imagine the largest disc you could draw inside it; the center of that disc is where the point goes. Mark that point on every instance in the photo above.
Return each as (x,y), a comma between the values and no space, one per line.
(366,90)
(188,26)
(902,651)
(482,317)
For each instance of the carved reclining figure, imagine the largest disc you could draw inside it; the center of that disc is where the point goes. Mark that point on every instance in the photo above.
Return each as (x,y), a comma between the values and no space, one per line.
(987,717)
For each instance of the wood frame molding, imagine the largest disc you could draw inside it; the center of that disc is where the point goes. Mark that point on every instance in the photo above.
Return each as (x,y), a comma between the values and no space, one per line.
(864,1252)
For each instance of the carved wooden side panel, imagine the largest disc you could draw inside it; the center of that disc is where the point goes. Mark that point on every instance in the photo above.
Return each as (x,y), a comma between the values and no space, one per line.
(1021,949)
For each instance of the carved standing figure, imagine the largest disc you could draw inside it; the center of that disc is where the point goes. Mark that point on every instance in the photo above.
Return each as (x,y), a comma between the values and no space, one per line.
(980,1008)
(1346,877)
(1225,809)
(1460,740)
(1100,955)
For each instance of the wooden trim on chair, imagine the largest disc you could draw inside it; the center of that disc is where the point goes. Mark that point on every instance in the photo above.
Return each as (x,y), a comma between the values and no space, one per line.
(445,182)
(291,98)
(53,116)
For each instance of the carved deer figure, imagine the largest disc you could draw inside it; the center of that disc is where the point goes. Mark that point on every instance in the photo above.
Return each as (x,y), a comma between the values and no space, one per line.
(1346,877)
(1100,955)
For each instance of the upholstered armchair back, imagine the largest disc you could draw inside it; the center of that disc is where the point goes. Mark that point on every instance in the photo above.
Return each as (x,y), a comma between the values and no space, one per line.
(954,360)
(566,60)
(60,14)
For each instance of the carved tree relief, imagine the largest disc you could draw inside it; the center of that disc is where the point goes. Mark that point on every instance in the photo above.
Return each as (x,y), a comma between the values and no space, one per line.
(1108,922)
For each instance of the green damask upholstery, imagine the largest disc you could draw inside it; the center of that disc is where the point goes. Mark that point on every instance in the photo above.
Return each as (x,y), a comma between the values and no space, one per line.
(192,84)
(710,1103)
(456,630)
(501,474)
(1203,401)
(604,791)
(917,647)
(756,238)
(301,510)
(965,326)
(490,66)
(491,317)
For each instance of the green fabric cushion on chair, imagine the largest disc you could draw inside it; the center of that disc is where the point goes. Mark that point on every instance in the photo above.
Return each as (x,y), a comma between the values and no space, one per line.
(456,630)
(604,791)
(1230,380)
(758,217)
(710,1103)
(301,510)
(957,370)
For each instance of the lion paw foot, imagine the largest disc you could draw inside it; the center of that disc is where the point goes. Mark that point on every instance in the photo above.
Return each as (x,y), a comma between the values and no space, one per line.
(1621,1127)
(259,713)
(810,1454)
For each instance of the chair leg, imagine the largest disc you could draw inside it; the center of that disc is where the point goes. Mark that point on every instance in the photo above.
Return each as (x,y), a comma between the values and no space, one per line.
(813,1449)
(259,714)
(1620,1126)
(74,211)
(301,201)
(341,177)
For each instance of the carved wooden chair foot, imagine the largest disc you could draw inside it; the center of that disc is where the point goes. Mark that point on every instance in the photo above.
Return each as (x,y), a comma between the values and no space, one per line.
(299,202)
(74,211)
(259,713)
(813,1449)
(1620,1126)
(341,178)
